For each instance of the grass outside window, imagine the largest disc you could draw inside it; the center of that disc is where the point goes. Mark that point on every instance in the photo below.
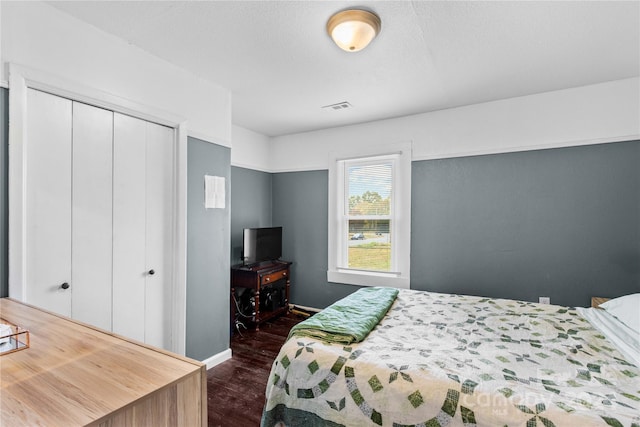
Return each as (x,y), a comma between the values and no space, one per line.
(370,256)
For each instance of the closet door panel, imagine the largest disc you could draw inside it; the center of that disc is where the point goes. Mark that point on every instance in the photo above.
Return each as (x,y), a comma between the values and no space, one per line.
(92,215)
(129,226)
(159,231)
(48,202)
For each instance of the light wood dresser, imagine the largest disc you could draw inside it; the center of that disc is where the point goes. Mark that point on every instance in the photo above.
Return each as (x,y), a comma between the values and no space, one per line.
(596,301)
(76,375)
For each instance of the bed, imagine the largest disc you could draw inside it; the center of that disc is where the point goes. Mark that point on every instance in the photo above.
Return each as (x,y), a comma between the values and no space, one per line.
(450,360)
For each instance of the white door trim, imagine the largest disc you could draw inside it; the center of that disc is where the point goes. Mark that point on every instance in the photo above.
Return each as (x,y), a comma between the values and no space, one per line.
(22,78)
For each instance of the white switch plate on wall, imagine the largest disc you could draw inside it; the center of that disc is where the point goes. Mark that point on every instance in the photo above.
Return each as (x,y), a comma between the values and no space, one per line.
(544,300)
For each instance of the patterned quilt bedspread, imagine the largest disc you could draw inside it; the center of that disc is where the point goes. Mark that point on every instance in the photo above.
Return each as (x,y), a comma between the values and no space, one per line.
(450,360)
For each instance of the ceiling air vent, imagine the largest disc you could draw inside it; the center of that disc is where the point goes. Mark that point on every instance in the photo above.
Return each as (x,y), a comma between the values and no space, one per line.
(339,106)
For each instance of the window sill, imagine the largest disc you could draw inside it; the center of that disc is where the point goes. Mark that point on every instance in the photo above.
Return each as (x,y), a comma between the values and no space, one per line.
(367,279)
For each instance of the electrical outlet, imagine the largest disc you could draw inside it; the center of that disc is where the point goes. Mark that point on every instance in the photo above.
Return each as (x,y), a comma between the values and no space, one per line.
(544,300)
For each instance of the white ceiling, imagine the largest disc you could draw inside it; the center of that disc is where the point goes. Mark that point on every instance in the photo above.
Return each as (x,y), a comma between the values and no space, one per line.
(281,66)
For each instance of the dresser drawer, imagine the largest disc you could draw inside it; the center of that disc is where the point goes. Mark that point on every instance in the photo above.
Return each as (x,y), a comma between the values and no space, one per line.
(273,277)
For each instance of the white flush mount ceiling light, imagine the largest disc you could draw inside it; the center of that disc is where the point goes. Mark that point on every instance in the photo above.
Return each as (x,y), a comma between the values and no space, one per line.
(352,30)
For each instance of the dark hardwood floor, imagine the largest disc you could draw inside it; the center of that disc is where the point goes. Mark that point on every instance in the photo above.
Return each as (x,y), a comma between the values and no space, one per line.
(235,388)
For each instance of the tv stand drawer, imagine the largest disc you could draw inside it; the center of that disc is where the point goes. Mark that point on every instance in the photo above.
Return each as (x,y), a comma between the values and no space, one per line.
(273,277)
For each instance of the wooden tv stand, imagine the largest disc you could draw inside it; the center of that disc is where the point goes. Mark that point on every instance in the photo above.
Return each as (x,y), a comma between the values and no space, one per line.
(270,275)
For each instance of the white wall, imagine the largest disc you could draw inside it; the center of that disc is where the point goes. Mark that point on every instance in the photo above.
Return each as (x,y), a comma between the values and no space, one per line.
(38,36)
(605,112)
(250,149)
(3,82)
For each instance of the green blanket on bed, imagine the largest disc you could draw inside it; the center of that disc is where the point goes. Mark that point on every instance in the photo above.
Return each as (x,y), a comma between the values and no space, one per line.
(350,319)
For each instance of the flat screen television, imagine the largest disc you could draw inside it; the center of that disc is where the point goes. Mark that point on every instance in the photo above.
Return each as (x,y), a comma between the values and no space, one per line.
(261,244)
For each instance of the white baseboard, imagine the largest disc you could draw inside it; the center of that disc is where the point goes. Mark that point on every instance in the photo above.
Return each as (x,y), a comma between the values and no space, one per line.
(315,310)
(217,359)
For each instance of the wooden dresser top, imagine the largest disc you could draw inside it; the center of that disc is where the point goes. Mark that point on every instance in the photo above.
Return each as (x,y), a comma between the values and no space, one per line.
(74,374)
(596,301)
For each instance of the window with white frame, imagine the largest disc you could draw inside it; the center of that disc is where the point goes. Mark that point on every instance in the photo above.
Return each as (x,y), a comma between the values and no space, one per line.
(370,217)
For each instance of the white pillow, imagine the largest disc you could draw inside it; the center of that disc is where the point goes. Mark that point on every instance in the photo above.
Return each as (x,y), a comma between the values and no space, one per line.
(626,309)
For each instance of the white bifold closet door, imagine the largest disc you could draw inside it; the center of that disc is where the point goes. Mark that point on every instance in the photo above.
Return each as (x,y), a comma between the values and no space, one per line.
(99,217)
(47,252)
(91,218)
(142,217)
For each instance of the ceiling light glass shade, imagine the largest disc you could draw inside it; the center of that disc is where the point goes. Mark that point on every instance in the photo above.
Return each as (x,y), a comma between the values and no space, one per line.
(352,30)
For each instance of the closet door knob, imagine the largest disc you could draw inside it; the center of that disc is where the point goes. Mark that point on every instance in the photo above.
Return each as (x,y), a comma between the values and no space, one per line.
(152,272)
(65,285)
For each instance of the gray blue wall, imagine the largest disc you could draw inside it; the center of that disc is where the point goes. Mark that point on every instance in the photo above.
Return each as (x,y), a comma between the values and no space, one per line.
(4,192)
(250,204)
(207,253)
(563,223)
(300,206)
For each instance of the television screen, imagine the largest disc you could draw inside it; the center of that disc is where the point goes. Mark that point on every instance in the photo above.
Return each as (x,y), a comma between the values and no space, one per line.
(261,244)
